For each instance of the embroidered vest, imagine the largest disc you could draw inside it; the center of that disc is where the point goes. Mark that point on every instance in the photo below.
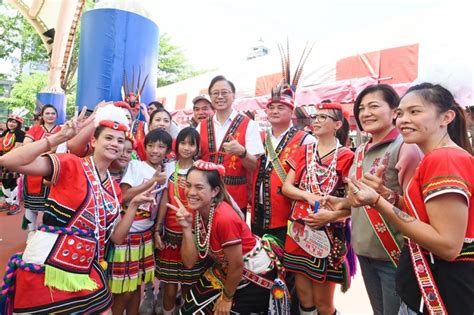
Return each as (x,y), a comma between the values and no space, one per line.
(276,206)
(235,178)
(75,253)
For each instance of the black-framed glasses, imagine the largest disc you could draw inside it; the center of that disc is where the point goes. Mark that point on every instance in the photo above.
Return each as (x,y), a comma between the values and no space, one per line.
(323,117)
(223,93)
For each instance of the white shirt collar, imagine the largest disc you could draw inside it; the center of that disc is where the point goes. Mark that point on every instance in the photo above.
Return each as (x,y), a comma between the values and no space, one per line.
(230,118)
(281,135)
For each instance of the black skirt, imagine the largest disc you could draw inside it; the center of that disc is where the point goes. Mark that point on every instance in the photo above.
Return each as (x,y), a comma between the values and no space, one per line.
(455,281)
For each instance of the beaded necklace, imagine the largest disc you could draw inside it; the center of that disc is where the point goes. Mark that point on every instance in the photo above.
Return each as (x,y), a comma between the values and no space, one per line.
(8,141)
(317,175)
(203,248)
(101,203)
(176,175)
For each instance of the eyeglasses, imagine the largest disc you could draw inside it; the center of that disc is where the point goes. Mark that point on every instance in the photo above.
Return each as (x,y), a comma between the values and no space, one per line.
(223,93)
(322,118)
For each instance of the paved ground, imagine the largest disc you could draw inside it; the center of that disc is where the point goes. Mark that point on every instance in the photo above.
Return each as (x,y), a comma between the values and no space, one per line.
(12,239)
(355,301)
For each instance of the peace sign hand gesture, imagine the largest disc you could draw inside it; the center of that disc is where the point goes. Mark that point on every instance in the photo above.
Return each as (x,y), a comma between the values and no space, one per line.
(183,216)
(76,124)
(147,197)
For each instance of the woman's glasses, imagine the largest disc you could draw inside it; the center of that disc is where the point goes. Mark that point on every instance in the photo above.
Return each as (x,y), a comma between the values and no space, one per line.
(322,118)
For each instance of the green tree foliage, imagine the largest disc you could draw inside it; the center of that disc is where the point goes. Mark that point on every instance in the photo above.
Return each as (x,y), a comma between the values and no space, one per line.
(19,42)
(173,65)
(23,93)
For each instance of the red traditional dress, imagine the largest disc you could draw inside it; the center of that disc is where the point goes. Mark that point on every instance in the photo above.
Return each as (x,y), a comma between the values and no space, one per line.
(59,271)
(34,191)
(442,171)
(235,178)
(226,228)
(169,264)
(326,176)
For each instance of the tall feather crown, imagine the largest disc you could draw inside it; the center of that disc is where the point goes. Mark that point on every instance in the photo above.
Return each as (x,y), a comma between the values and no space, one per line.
(133,93)
(286,90)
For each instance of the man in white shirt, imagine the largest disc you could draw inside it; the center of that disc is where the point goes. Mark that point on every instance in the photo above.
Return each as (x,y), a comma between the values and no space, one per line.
(230,139)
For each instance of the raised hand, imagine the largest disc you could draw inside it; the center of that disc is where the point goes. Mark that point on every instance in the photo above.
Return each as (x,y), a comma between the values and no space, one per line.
(159,177)
(148,196)
(183,216)
(76,124)
(233,146)
(376,181)
(360,194)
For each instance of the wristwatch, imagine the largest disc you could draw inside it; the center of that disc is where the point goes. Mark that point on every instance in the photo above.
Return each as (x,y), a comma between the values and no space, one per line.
(243,155)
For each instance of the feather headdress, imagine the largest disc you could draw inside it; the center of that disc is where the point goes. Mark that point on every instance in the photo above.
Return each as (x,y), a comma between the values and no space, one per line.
(133,93)
(18,114)
(285,91)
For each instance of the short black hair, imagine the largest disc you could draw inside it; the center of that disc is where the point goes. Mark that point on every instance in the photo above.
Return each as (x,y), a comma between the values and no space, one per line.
(156,135)
(157,104)
(188,133)
(389,95)
(221,78)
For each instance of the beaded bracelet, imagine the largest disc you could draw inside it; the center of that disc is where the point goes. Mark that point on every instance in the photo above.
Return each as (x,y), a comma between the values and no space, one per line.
(159,228)
(375,202)
(48,143)
(226,295)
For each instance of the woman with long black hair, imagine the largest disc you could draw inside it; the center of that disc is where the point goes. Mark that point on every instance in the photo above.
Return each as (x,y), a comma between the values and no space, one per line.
(245,266)
(435,274)
(34,189)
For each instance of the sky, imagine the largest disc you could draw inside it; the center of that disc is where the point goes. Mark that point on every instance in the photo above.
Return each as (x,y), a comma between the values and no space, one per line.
(213,33)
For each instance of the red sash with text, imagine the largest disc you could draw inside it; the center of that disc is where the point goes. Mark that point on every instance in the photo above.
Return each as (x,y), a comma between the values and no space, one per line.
(380,227)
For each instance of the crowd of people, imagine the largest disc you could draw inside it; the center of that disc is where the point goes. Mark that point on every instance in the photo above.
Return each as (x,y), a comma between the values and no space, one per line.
(232,219)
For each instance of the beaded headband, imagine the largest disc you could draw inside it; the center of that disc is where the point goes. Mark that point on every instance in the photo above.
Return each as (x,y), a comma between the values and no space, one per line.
(209,166)
(335,106)
(113,125)
(283,96)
